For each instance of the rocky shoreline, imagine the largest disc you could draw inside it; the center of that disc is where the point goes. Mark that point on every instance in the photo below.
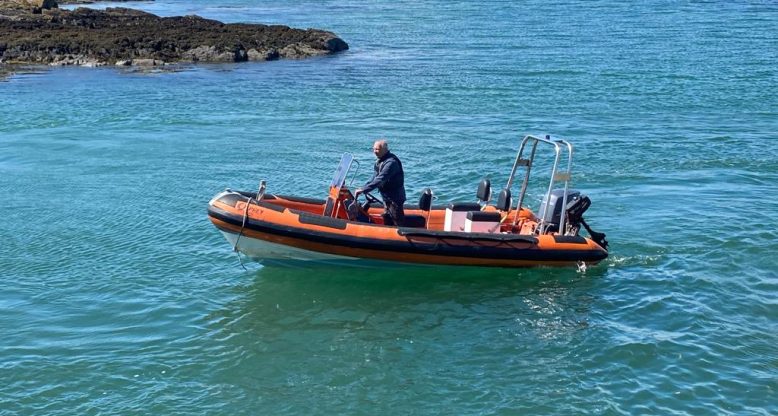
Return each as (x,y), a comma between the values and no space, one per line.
(38,32)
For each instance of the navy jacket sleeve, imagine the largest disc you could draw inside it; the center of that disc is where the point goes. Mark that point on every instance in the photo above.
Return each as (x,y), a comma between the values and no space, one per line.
(388,169)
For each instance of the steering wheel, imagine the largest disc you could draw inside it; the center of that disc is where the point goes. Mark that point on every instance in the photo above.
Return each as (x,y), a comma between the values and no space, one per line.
(372,200)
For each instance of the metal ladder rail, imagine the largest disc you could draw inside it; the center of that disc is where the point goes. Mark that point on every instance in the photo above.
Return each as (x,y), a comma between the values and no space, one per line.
(542,226)
(566,176)
(528,164)
(556,176)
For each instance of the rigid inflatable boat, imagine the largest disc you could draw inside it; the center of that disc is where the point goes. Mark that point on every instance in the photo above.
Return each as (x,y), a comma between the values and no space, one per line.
(265,226)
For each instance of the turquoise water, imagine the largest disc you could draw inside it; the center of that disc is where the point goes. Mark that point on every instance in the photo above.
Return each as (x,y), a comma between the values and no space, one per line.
(119,297)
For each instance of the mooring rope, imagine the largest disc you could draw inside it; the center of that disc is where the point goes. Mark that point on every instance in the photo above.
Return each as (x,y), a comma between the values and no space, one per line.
(245,218)
(260,195)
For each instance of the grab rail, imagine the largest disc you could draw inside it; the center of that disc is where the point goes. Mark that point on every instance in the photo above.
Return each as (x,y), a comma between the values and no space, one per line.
(556,176)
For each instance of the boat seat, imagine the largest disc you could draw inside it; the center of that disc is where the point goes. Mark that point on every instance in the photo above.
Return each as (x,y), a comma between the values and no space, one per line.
(484,193)
(464,206)
(456,213)
(482,222)
(425,201)
(425,205)
(504,200)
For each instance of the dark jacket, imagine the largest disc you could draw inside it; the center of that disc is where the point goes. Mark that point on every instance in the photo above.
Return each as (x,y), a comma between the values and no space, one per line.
(388,178)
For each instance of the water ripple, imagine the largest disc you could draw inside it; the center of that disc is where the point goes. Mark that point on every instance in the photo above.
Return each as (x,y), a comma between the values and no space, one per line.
(120,297)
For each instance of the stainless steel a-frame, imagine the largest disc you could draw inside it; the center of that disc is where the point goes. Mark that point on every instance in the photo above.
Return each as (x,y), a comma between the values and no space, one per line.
(556,176)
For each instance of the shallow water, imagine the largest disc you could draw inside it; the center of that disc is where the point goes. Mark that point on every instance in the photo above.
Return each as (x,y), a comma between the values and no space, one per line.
(120,297)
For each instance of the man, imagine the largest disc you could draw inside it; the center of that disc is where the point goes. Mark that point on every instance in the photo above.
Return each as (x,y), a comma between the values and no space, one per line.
(390,181)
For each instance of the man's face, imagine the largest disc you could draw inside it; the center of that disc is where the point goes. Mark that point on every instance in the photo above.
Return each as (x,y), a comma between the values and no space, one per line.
(378,150)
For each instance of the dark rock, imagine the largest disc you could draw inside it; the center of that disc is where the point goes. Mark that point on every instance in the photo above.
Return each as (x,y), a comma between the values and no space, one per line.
(63,2)
(116,36)
(31,5)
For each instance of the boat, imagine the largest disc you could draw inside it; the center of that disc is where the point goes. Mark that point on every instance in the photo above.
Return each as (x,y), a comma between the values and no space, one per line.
(265,226)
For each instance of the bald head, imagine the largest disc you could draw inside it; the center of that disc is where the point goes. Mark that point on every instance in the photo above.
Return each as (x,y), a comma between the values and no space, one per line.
(380,148)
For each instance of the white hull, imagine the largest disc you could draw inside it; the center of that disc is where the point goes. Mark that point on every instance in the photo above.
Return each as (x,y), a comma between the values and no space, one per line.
(265,250)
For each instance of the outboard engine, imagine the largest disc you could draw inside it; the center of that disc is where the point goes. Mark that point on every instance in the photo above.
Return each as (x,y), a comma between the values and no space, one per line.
(575,210)
(577,204)
(553,207)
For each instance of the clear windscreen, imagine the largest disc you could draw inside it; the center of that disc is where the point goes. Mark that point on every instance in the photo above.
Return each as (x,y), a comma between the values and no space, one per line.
(342,171)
